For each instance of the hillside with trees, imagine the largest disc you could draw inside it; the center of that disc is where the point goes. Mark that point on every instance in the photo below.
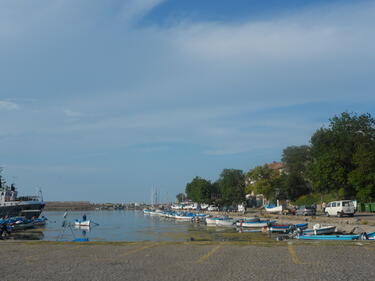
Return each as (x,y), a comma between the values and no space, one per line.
(339,163)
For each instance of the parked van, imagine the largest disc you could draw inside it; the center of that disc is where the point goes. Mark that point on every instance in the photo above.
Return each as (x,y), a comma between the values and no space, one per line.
(340,208)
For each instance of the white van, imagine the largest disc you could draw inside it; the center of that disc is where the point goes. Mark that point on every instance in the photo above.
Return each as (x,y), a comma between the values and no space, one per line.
(340,208)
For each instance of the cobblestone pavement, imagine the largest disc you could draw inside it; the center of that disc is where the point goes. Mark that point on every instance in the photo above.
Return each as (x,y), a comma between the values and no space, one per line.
(187,261)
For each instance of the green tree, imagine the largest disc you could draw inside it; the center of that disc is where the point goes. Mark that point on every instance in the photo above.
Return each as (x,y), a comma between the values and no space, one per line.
(294,183)
(181,197)
(199,190)
(231,185)
(363,176)
(338,159)
(295,159)
(261,181)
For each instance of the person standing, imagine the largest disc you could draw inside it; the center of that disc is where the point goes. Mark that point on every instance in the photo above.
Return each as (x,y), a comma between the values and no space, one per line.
(324,207)
(84,218)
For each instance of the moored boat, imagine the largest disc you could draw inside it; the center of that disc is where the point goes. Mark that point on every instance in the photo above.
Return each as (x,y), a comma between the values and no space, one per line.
(82,223)
(12,205)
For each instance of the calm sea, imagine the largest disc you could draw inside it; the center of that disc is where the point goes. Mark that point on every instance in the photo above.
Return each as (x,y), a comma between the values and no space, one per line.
(124,226)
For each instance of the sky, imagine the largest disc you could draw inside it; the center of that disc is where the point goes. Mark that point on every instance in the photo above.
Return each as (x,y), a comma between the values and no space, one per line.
(104,100)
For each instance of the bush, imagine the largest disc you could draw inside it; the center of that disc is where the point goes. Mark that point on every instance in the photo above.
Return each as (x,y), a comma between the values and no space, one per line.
(308,200)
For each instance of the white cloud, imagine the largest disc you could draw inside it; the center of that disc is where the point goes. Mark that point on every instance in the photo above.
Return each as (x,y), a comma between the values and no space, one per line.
(7,105)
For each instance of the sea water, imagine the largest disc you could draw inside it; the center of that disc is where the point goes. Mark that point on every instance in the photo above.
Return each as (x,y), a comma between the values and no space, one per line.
(126,225)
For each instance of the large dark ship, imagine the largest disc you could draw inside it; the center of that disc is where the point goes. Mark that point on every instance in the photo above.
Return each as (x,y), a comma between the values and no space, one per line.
(13,206)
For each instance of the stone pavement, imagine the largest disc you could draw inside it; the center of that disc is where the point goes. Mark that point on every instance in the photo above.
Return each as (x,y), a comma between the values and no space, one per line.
(294,260)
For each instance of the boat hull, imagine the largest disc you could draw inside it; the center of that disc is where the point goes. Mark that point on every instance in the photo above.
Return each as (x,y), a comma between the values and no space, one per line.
(277,209)
(318,231)
(29,210)
(257,224)
(82,223)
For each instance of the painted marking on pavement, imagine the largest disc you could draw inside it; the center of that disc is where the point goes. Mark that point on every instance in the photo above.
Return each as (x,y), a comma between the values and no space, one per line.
(209,254)
(294,255)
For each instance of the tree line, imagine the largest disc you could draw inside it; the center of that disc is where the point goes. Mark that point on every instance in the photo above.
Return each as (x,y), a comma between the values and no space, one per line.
(339,163)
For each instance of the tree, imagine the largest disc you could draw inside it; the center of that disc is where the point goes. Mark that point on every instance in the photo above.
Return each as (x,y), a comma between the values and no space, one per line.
(231,185)
(295,160)
(181,197)
(338,156)
(363,176)
(261,181)
(199,190)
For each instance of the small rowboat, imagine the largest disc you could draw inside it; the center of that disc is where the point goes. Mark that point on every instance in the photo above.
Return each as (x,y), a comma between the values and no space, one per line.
(225,222)
(82,223)
(40,221)
(211,221)
(345,237)
(184,217)
(274,209)
(318,229)
(286,227)
(255,224)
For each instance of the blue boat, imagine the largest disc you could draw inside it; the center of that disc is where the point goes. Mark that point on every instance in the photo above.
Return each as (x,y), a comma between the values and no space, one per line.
(344,237)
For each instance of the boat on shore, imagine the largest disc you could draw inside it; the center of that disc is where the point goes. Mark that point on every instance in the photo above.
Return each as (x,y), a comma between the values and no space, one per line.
(226,222)
(319,229)
(340,237)
(286,227)
(255,224)
(273,208)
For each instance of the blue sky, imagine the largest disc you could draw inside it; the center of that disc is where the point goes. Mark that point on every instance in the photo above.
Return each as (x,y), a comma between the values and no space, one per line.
(103,100)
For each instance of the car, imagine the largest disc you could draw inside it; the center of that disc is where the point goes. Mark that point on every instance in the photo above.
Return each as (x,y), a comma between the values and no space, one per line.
(289,211)
(306,211)
(212,208)
(340,208)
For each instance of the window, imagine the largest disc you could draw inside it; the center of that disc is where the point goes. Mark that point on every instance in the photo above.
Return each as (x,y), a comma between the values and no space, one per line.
(333,204)
(345,204)
(338,204)
(329,205)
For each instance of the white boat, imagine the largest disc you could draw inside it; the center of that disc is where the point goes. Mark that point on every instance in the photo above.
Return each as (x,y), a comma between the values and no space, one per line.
(147,211)
(319,229)
(82,223)
(225,222)
(211,221)
(274,209)
(255,224)
(184,217)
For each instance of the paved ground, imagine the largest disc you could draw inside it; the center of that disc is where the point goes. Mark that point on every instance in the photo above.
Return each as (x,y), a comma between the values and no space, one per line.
(187,261)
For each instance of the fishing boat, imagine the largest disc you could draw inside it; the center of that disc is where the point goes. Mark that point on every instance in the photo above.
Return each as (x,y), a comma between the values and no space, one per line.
(273,208)
(319,229)
(12,205)
(82,223)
